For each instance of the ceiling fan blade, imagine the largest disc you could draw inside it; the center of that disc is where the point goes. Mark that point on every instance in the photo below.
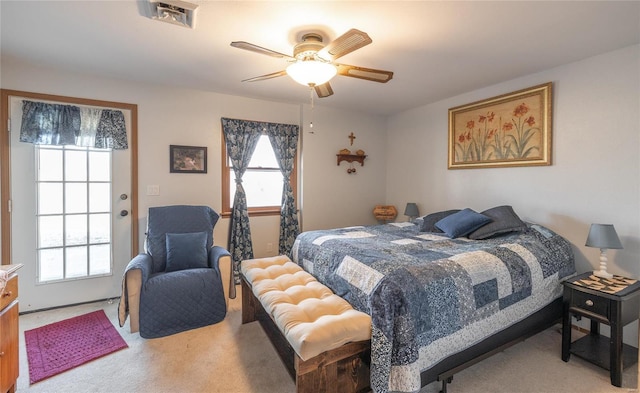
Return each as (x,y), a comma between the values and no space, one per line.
(346,43)
(259,49)
(267,76)
(369,74)
(323,90)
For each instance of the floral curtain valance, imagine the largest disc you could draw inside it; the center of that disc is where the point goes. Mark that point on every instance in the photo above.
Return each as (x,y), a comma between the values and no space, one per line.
(58,124)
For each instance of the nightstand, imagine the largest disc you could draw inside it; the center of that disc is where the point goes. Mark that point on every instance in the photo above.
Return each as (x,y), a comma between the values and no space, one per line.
(613,302)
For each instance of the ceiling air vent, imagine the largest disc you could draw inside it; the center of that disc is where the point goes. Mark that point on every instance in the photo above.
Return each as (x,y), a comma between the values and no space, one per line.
(176,12)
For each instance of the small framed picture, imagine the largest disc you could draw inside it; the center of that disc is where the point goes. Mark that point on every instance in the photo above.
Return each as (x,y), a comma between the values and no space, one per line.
(188,159)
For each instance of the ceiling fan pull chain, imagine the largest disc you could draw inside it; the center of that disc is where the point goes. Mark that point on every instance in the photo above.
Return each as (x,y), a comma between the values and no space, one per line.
(311,96)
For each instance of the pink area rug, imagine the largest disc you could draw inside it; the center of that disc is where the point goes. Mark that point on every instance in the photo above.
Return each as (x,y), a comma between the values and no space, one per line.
(61,346)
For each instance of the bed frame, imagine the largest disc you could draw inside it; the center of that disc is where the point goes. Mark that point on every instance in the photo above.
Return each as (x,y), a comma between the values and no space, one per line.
(443,371)
(530,326)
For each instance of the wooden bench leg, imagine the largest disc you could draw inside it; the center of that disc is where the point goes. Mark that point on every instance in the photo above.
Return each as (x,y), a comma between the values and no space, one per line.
(344,369)
(249,308)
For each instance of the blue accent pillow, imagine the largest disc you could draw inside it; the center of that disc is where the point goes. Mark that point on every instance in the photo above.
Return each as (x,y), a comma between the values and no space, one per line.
(429,221)
(186,251)
(462,223)
(505,220)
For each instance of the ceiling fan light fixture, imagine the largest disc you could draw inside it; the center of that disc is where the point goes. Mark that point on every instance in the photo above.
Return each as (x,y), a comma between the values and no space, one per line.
(311,72)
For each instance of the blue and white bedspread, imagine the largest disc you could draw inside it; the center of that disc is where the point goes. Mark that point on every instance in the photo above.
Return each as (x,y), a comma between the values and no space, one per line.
(430,296)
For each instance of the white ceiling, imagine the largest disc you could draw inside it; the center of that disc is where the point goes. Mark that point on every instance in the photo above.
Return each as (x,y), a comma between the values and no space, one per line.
(436,49)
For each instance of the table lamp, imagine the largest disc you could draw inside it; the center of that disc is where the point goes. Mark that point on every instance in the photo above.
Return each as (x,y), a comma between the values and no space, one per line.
(603,236)
(411,210)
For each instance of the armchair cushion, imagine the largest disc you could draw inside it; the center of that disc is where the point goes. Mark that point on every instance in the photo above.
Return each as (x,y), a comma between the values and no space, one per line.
(186,251)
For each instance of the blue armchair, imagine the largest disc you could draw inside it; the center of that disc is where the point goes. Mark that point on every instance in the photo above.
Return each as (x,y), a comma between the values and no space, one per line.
(182,281)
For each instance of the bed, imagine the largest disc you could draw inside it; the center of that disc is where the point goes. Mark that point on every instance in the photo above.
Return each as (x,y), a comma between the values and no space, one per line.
(439,304)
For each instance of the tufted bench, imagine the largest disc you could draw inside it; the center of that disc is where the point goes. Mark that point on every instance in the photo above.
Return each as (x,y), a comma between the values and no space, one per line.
(322,340)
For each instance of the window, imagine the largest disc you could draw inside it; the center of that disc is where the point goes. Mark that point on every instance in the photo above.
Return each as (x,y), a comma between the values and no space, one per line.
(73,191)
(262,181)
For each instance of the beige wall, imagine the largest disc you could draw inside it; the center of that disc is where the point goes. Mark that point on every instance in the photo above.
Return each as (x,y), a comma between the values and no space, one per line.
(169,116)
(331,197)
(595,176)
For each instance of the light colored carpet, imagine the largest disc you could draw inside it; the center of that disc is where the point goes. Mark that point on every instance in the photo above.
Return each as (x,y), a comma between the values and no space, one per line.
(230,357)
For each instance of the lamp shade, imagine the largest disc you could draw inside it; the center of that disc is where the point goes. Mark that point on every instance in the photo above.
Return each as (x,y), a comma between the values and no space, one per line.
(603,236)
(411,210)
(311,72)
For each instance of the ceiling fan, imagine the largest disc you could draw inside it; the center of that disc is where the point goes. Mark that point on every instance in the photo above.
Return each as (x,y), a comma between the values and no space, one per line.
(313,63)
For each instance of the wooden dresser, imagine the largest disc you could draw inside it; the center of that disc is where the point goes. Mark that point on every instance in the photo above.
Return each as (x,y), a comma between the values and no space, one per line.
(9,330)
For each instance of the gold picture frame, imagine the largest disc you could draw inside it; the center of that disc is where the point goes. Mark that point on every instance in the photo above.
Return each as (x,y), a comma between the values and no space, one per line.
(510,130)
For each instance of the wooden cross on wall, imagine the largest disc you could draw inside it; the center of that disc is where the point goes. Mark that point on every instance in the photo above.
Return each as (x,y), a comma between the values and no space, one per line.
(352,137)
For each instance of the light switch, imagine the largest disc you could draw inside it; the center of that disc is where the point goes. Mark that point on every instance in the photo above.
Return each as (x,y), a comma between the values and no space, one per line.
(153,190)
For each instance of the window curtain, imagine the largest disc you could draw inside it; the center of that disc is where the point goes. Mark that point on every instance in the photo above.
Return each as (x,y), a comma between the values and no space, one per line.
(57,124)
(284,140)
(241,138)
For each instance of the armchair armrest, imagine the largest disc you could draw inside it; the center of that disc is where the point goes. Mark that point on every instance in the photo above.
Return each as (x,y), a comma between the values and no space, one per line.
(220,259)
(136,274)
(142,262)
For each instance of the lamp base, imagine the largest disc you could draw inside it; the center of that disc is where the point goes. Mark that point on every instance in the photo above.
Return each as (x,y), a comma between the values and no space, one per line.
(602,273)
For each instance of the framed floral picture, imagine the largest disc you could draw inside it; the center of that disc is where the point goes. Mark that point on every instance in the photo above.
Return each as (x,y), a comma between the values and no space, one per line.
(187,159)
(509,130)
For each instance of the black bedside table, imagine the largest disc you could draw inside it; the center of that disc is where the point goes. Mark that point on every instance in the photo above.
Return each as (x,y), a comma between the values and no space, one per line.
(615,306)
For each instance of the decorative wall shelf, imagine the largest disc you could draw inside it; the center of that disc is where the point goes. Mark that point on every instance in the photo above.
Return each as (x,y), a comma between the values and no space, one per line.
(351,158)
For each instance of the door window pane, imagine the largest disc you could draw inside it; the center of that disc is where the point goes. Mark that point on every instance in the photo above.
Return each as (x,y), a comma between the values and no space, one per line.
(76,261)
(50,164)
(99,197)
(99,166)
(100,257)
(75,165)
(75,198)
(99,228)
(51,264)
(71,242)
(50,198)
(76,229)
(50,231)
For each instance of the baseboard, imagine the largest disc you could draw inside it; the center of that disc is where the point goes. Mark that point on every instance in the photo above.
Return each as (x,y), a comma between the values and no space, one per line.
(110,300)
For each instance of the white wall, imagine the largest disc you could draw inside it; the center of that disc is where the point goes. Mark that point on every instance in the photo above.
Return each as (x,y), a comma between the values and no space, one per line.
(169,116)
(332,197)
(595,176)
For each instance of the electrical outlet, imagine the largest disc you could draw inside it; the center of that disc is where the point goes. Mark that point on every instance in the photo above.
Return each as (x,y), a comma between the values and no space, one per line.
(153,190)
(269,247)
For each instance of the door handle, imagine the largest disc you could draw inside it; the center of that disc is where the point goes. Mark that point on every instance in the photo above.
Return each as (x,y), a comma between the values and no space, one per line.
(124,213)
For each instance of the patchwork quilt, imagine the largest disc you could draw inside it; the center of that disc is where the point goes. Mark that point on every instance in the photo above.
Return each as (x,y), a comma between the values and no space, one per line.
(430,296)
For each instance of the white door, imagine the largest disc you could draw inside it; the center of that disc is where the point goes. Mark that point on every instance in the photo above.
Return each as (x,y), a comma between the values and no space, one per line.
(96,240)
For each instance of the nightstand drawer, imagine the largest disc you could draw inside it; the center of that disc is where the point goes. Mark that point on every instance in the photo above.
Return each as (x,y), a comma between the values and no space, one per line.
(595,304)
(10,292)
